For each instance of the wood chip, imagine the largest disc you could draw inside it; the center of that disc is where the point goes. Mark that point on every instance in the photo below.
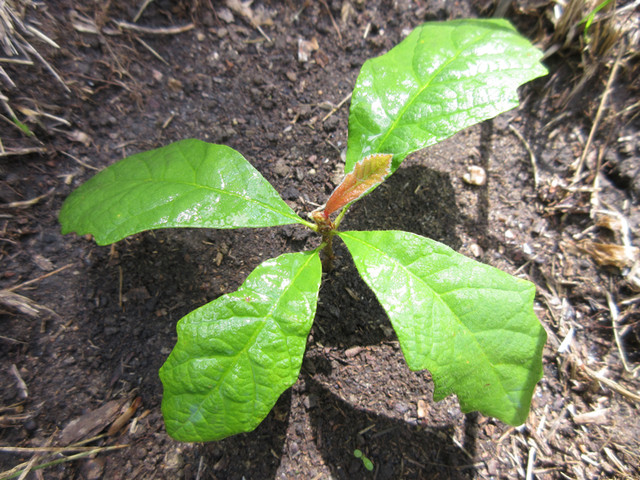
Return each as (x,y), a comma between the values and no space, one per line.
(20,303)
(124,418)
(353,351)
(608,254)
(91,423)
(305,48)
(43,263)
(423,409)
(598,417)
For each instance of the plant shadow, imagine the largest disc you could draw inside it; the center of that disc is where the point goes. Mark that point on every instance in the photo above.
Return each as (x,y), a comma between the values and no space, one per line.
(157,281)
(137,292)
(398,449)
(419,200)
(414,199)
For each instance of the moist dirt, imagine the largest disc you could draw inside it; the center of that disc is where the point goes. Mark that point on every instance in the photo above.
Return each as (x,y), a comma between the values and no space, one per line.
(103,318)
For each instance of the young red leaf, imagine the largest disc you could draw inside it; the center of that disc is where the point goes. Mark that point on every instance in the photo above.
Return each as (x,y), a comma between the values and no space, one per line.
(366,174)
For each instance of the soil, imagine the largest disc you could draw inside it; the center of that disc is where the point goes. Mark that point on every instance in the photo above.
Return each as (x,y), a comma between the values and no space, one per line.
(104,317)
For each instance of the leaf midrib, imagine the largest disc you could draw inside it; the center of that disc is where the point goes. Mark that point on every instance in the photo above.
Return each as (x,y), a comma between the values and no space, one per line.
(234,360)
(137,183)
(436,295)
(435,74)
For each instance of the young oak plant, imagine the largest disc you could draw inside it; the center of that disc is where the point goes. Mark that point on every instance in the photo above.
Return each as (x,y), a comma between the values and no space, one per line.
(471,325)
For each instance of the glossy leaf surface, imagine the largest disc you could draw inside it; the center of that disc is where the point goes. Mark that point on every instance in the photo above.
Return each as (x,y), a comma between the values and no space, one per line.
(189,183)
(236,355)
(471,325)
(445,76)
(368,173)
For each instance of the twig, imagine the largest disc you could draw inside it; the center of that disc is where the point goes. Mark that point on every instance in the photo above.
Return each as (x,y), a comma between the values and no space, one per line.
(630,300)
(200,466)
(596,122)
(27,203)
(168,120)
(616,387)
(333,22)
(28,466)
(263,33)
(622,467)
(461,447)
(153,52)
(46,64)
(532,157)
(17,471)
(531,460)
(18,302)
(7,78)
(41,277)
(155,31)
(23,304)
(42,36)
(11,340)
(22,151)
(142,8)
(84,164)
(34,113)
(337,107)
(24,391)
(613,308)
(46,449)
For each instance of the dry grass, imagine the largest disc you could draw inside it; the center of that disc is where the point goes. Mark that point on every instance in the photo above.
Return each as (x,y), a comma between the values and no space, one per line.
(17,40)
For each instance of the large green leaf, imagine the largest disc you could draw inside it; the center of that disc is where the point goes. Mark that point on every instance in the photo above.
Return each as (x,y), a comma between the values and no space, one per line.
(189,183)
(236,355)
(471,325)
(445,76)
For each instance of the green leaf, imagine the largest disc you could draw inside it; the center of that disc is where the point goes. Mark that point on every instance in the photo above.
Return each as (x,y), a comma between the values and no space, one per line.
(471,325)
(236,355)
(368,464)
(445,76)
(189,183)
(23,127)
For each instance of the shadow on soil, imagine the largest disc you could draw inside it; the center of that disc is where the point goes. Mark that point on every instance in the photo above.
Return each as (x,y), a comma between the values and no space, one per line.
(396,448)
(418,200)
(156,280)
(413,199)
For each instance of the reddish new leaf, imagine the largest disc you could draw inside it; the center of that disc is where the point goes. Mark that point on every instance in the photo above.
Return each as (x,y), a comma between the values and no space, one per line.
(366,174)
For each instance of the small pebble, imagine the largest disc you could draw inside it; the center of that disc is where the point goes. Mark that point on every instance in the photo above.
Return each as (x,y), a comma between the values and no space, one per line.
(475,175)
(310,401)
(292,76)
(401,407)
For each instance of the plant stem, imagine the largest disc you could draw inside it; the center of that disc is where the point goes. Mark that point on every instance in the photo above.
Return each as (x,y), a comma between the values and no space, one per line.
(340,215)
(326,228)
(327,253)
(311,225)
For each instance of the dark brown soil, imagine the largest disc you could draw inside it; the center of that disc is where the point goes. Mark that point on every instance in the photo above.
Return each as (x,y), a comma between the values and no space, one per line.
(110,315)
